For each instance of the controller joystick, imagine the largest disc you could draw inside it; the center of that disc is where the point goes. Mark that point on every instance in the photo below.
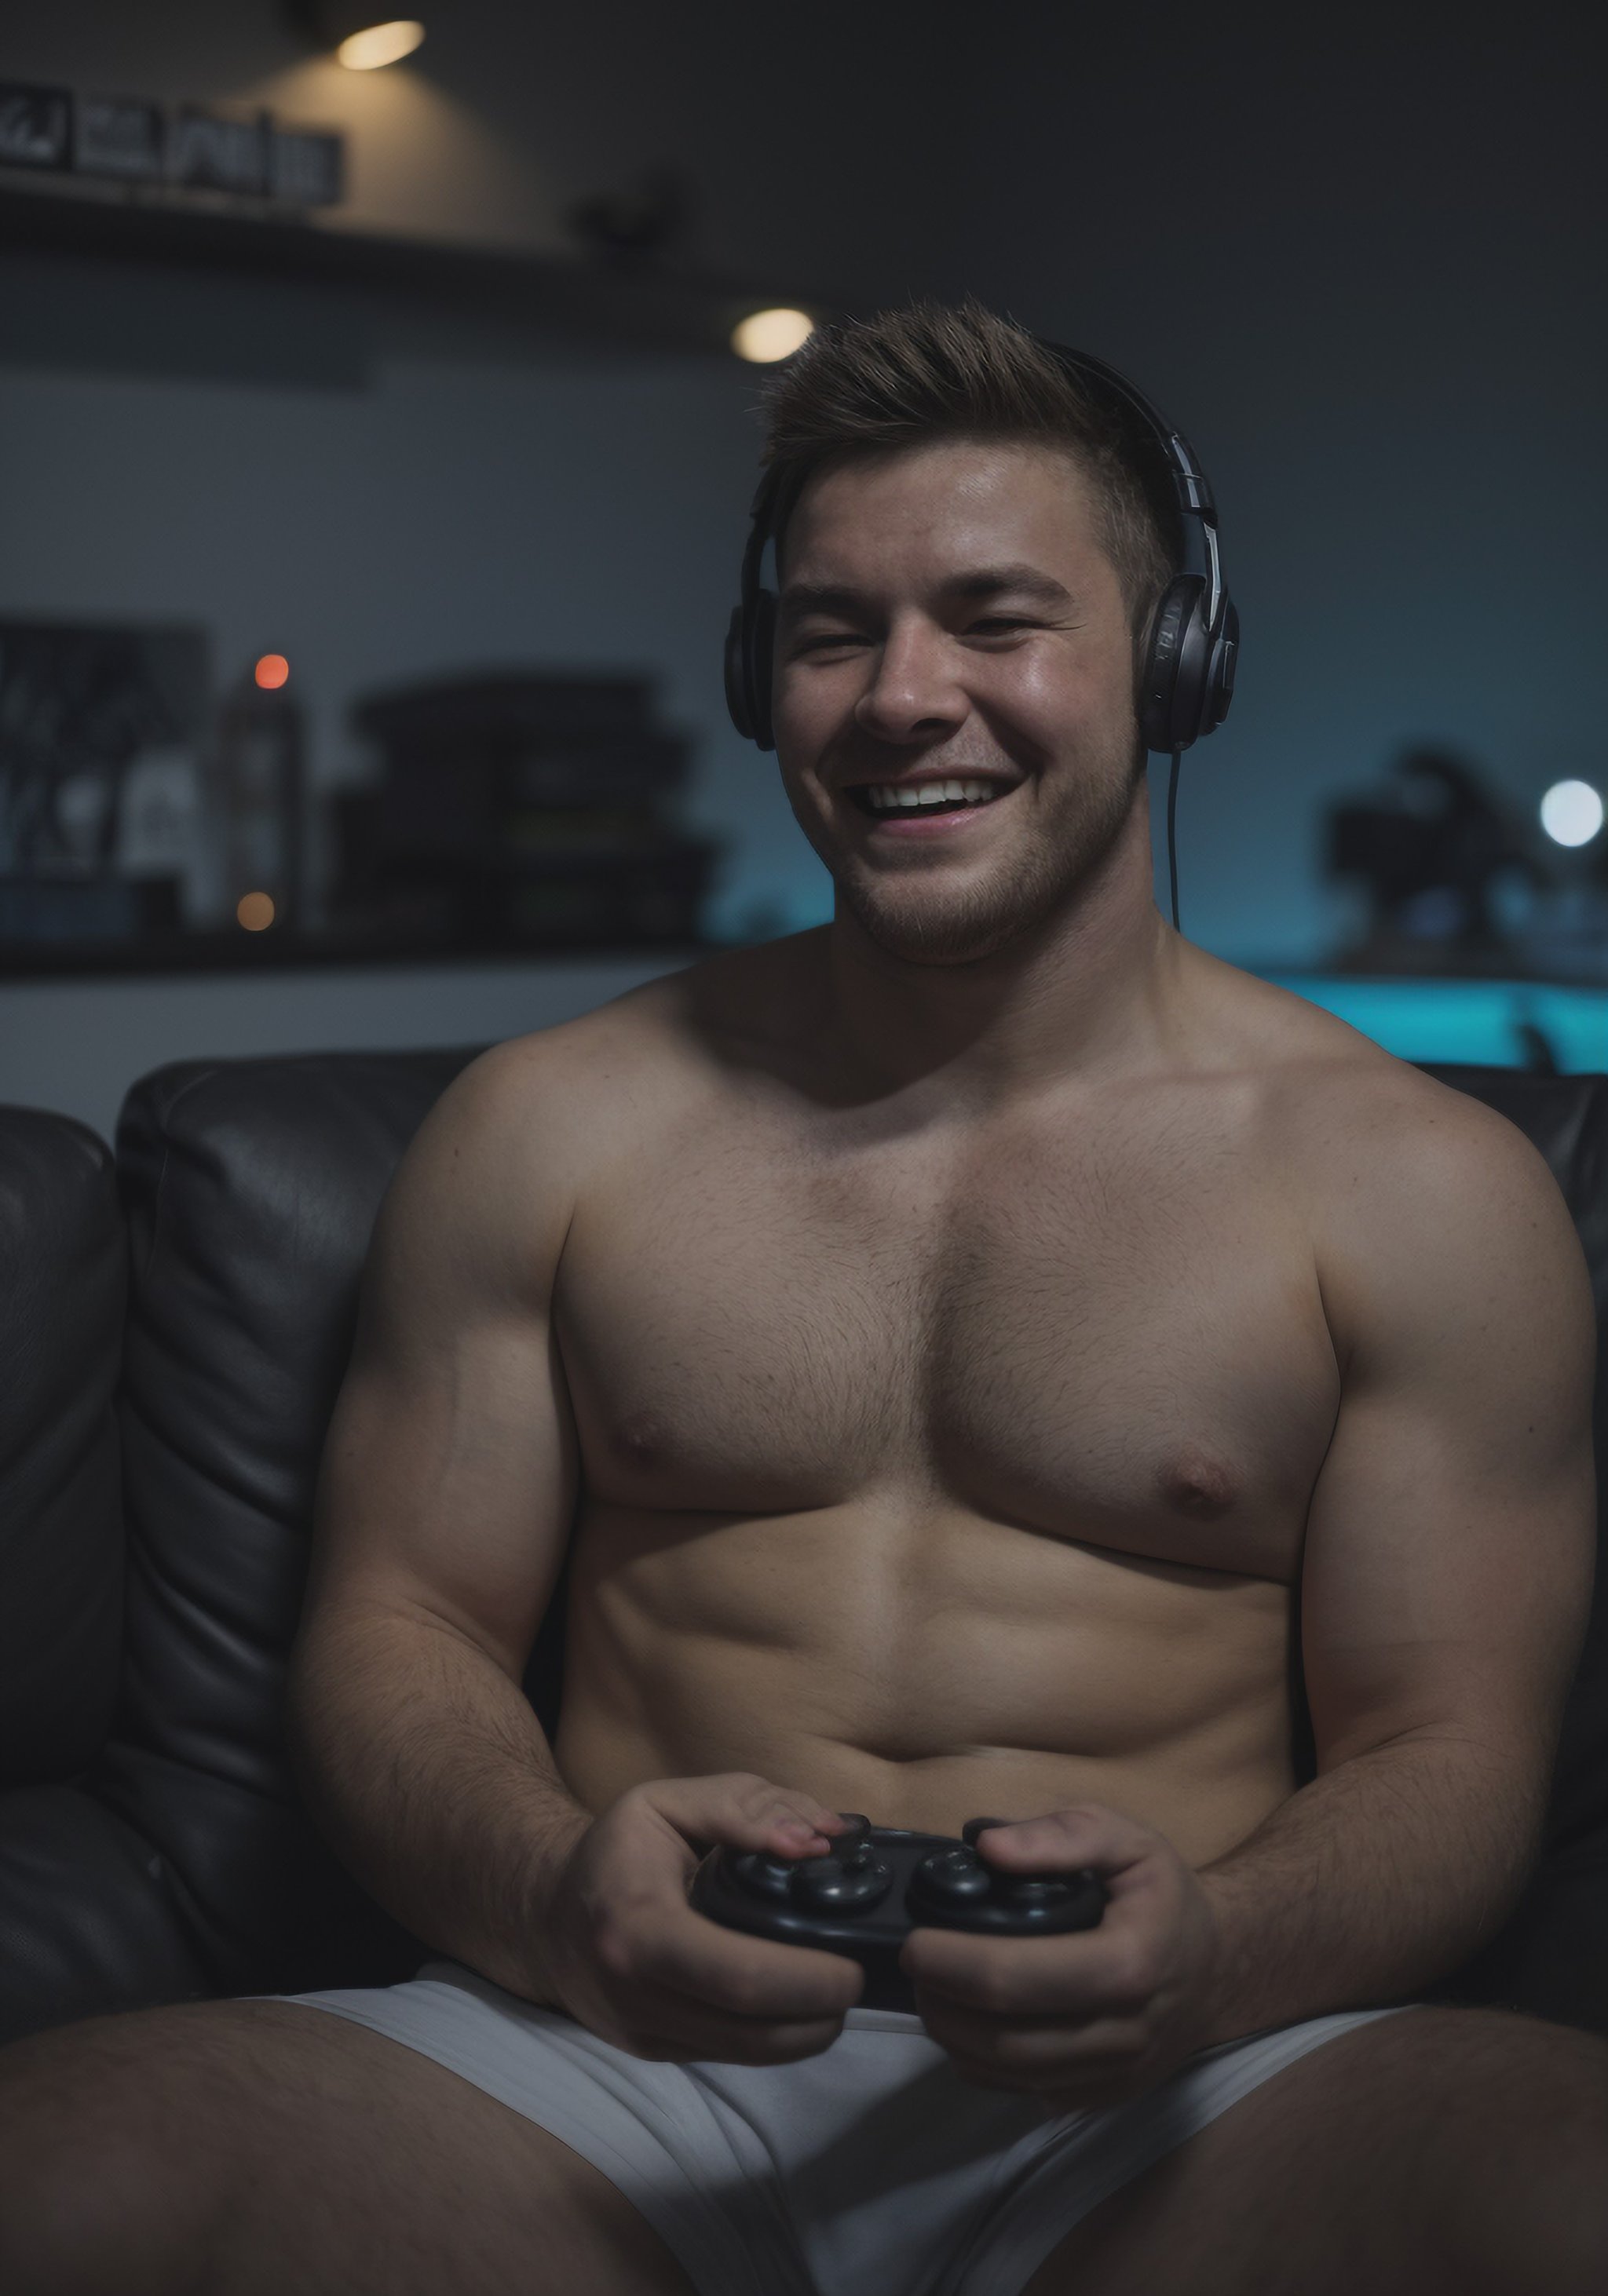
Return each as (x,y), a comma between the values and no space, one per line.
(766,1876)
(876,1885)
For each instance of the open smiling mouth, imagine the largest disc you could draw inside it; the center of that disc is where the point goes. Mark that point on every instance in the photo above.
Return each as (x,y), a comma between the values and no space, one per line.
(921,800)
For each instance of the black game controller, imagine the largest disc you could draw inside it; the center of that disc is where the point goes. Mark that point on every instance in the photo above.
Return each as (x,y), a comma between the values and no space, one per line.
(877,1885)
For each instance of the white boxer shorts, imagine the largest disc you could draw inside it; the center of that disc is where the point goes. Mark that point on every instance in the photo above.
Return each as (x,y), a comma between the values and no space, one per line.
(869,2170)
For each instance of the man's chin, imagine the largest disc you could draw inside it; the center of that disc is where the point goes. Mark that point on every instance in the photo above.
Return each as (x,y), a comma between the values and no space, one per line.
(923,926)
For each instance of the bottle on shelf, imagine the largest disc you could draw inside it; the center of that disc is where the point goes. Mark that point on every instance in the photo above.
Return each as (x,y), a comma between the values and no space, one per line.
(261,789)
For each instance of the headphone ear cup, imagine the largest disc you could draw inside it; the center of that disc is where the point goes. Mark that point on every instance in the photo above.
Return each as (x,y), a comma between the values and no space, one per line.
(736,683)
(761,656)
(1172,685)
(1224,656)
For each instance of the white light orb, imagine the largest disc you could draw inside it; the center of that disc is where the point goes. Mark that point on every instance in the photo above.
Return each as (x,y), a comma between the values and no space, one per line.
(1572,813)
(765,336)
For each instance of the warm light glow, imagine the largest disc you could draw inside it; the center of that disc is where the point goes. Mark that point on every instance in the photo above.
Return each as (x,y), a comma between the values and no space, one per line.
(1572,813)
(766,335)
(379,44)
(255,911)
(272,669)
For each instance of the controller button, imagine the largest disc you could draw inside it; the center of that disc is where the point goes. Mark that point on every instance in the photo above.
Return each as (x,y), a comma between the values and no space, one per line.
(826,1886)
(1033,1890)
(954,1877)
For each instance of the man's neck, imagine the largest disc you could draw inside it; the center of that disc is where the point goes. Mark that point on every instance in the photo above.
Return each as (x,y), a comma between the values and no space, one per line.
(1095,992)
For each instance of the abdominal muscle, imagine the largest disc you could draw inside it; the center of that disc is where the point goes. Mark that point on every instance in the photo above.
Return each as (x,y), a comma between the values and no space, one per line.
(924,1665)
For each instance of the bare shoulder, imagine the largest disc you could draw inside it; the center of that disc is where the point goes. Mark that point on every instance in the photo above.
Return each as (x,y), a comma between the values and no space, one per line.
(1421,1200)
(594,1091)
(1353,1117)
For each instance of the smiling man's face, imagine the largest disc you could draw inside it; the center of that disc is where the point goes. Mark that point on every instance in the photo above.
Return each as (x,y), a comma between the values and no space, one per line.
(949,619)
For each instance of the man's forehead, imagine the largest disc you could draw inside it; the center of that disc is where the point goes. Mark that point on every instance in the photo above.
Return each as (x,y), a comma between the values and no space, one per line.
(955,512)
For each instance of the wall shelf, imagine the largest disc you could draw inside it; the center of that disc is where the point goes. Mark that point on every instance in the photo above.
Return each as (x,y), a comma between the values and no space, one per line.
(247,953)
(628,304)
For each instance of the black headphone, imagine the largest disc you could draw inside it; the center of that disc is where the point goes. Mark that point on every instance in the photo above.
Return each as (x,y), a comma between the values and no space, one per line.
(1187,680)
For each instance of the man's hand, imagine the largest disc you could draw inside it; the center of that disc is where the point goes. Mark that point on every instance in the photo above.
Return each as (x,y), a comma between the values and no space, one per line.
(1088,2020)
(623,1954)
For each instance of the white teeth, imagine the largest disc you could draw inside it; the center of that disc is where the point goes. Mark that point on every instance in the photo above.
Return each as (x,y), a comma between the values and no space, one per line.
(890,798)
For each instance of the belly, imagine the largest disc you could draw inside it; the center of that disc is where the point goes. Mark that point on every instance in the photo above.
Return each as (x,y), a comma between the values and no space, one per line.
(925,1665)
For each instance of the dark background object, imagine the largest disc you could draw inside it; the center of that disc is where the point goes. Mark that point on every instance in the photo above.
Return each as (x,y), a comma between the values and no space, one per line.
(260,774)
(78,706)
(651,219)
(520,811)
(1428,855)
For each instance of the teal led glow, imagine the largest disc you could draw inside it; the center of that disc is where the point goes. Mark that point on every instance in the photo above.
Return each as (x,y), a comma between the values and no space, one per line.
(1474,1023)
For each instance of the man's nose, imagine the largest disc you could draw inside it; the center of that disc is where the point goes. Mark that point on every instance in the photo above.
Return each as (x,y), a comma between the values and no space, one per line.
(915,688)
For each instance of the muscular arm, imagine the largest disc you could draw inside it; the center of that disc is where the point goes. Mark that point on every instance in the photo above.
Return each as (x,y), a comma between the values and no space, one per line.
(1445,1582)
(444,1503)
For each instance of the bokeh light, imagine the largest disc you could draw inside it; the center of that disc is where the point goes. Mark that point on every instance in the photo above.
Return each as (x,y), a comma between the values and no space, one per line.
(381,44)
(764,336)
(1572,813)
(272,669)
(255,911)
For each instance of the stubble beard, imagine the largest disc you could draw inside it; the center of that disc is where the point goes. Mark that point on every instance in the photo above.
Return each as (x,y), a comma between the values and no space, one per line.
(914,915)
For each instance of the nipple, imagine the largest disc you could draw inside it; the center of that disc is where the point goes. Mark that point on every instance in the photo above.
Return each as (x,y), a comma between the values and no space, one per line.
(641,1440)
(1199,1484)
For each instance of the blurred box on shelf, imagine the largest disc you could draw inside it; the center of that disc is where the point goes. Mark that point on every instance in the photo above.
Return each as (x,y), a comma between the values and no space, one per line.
(521,810)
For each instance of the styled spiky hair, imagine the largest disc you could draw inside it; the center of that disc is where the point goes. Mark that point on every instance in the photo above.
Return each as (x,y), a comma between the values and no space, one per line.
(933,371)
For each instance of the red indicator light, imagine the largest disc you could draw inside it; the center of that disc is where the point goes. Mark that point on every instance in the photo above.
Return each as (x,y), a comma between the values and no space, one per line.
(272,669)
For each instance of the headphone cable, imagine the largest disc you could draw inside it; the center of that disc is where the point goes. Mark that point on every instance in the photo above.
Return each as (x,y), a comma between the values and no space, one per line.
(1172,857)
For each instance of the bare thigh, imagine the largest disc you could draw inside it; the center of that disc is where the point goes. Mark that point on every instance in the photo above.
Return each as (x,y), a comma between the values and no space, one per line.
(234,2148)
(1442,2153)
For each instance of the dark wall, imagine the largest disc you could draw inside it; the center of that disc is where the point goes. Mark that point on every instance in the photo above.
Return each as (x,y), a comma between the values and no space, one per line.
(1353,256)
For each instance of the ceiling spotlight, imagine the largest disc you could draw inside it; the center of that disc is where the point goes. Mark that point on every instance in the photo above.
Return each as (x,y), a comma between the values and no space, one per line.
(765,336)
(363,38)
(379,44)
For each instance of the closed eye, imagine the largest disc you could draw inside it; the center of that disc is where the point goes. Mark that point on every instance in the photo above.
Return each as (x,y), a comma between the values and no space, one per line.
(990,625)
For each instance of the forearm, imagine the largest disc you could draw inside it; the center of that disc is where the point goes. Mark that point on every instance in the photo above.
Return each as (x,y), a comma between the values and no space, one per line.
(1370,1882)
(426,1771)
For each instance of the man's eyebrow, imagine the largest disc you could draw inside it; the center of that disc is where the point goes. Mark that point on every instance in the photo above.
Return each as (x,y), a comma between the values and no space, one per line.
(989,581)
(975,583)
(819,598)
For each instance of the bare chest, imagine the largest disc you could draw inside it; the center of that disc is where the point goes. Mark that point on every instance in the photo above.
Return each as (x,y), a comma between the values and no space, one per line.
(1110,1335)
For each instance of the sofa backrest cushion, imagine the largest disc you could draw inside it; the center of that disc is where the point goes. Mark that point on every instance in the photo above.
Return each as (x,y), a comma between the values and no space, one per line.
(62,1256)
(249,1189)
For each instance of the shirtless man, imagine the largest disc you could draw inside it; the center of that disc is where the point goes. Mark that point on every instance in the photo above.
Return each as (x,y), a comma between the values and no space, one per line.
(958,1334)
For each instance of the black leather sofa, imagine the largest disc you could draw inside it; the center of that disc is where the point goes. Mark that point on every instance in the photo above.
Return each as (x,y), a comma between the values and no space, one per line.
(172,1334)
